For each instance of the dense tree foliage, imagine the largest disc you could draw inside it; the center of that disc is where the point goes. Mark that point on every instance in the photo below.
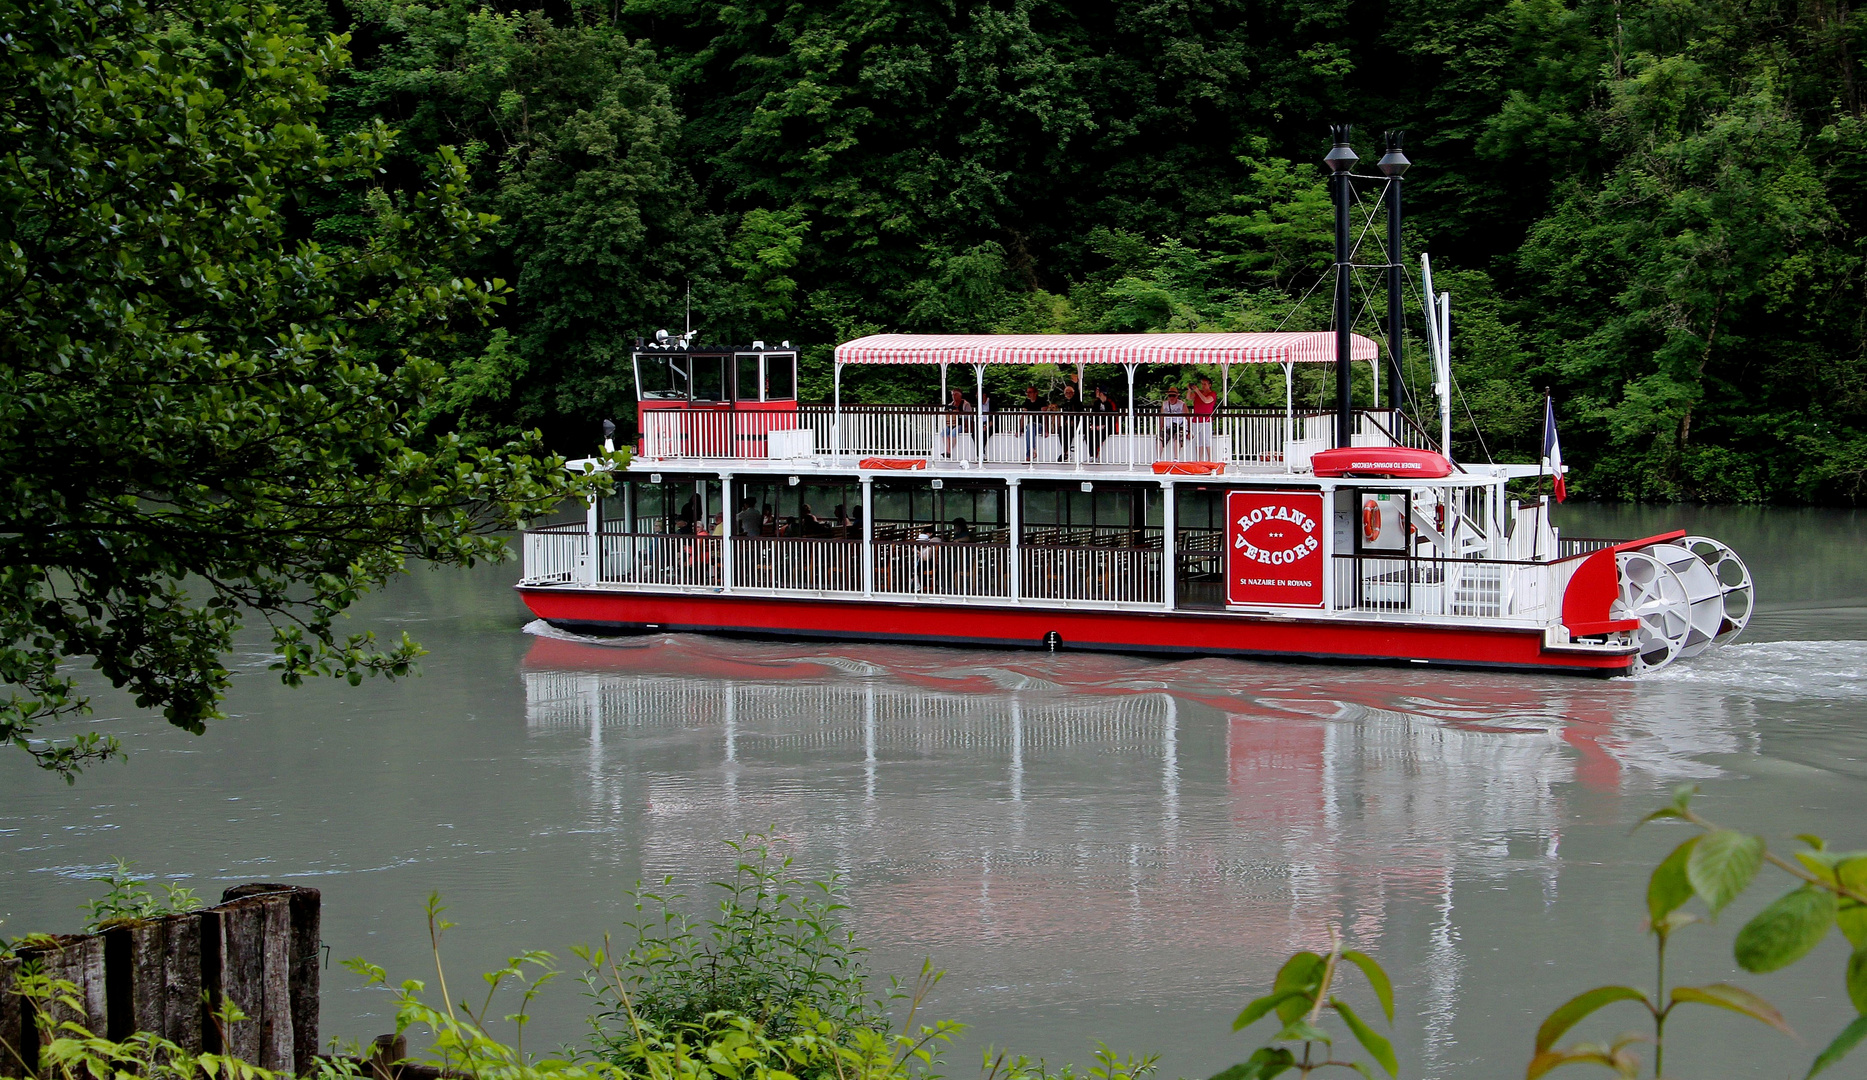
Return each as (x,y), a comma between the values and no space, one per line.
(1652,210)
(206,415)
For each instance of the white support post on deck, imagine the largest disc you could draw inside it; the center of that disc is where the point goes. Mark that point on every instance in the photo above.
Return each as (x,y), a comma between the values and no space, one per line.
(868,536)
(978,405)
(1290,419)
(836,411)
(1131,431)
(1011,540)
(728,511)
(588,571)
(1168,545)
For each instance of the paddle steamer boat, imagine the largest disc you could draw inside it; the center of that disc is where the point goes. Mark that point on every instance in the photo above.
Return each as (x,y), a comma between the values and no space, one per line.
(1345,534)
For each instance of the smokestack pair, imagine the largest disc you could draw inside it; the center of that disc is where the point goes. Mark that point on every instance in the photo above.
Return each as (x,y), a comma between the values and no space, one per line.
(1393,165)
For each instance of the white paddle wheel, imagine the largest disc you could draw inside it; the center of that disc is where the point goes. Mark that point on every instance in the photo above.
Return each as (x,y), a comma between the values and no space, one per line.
(1688,595)
(1733,579)
(1651,593)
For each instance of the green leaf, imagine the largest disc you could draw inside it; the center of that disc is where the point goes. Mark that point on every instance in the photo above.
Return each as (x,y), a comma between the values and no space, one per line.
(1301,1030)
(1676,809)
(1852,919)
(1583,1054)
(1722,866)
(1857,980)
(1668,887)
(1258,1008)
(1303,973)
(1371,1040)
(1267,1062)
(1377,978)
(1736,999)
(1850,1036)
(1784,932)
(1572,1011)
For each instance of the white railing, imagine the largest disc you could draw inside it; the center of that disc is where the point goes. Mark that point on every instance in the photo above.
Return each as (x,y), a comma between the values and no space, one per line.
(1115,575)
(942,569)
(1468,588)
(717,433)
(797,563)
(1253,437)
(553,553)
(661,559)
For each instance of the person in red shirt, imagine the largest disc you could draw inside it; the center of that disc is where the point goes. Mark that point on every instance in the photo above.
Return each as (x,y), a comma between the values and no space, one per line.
(1204,403)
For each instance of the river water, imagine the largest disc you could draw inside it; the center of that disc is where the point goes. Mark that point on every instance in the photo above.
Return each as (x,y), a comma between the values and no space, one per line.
(1091,847)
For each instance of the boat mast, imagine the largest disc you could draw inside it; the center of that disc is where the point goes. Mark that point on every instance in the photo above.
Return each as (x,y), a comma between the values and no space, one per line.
(1340,160)
(1393,165)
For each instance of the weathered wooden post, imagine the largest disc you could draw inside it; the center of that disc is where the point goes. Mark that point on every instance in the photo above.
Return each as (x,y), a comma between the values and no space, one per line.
(257,949)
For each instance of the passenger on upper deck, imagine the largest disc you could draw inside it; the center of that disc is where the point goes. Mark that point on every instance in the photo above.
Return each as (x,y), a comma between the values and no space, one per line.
(1033,404)
(962,533)
(1204,402)
(809,524)
(957,408)
(1102,423)
(1173,421)
(1073,405)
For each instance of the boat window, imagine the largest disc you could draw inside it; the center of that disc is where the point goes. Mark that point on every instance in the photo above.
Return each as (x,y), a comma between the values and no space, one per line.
(709,378)
(659,377)
(1108,515)
(910,509)
(781,377)
(676,505)
(823,510)
(745,373)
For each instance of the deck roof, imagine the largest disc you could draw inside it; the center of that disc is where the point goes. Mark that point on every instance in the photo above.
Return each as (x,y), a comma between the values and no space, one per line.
(1315,347)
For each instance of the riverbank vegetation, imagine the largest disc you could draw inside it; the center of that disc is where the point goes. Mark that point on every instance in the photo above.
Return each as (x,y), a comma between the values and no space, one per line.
(1650,210)
(772,987)
(210,412)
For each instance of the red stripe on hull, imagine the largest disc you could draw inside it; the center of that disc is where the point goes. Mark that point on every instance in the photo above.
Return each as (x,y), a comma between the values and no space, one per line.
(1185,633)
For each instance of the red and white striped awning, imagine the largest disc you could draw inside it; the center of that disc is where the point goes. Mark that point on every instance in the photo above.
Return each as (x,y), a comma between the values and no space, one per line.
(1069,350)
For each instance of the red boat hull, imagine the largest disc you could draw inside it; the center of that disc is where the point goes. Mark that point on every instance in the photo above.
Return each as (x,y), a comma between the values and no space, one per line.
(1174,633)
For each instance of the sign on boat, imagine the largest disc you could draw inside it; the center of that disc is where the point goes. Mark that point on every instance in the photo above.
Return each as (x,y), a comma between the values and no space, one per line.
(1348,534)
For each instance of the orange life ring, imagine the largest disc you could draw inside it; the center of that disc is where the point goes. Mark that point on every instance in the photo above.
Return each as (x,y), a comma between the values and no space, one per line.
(1370,521)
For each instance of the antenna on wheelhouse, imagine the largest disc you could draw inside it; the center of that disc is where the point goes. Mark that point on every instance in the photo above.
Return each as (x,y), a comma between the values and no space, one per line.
(1341,160)
(1393,165)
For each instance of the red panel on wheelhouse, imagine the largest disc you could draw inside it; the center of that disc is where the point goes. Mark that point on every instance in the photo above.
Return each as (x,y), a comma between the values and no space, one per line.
(1273,542)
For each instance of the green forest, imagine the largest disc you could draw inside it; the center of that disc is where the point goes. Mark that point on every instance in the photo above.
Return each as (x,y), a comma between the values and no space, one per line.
(1652,210)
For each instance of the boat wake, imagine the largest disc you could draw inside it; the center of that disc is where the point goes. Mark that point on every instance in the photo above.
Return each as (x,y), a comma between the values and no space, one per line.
(1774,671)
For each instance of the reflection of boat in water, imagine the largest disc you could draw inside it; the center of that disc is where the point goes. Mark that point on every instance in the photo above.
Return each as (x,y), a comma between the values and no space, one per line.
(1345,534)
(1073,807)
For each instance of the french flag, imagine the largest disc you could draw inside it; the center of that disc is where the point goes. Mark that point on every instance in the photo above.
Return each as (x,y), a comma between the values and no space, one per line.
(1552,447)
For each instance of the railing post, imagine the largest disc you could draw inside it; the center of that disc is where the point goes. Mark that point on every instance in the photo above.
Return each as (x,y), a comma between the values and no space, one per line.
(728,511)
(868,536)
(1169,571)
(1015,583)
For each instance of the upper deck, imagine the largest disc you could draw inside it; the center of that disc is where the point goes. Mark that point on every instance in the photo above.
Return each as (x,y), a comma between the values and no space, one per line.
(1241,441)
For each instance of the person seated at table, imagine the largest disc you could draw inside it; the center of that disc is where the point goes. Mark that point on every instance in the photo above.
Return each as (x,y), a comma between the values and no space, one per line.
(962,533)
(809,524)
(768,525)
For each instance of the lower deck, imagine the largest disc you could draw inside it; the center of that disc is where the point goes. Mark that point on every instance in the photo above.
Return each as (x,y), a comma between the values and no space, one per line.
(768,551)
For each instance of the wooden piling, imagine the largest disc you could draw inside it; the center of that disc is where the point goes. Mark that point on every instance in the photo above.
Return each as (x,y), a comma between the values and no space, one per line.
(19,1044)
(258,949)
